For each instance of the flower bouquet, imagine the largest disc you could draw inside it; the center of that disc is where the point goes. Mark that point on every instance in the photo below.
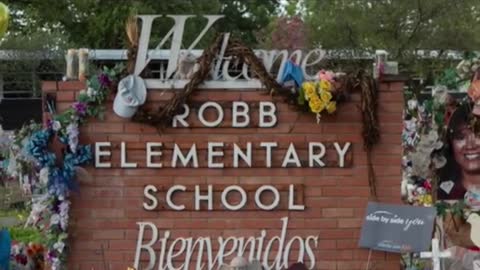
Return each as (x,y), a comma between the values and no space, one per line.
(29,256)
(319,95)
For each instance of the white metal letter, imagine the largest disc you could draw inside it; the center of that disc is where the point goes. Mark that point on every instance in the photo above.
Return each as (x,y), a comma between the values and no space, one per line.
(264,112)
(99,153)
(236,114)
(151,153)
(123,157)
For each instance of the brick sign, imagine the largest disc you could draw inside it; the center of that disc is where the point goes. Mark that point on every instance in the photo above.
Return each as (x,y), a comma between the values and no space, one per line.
(155,202)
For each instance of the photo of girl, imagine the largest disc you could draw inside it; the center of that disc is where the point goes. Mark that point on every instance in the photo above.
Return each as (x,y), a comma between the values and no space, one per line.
(460,177)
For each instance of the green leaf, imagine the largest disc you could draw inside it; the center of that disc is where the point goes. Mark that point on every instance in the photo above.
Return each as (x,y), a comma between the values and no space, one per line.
(439,119)
(442,208)
(301,97)
(83,97)
(25,235)
(428,106)
(449,78)
(93,82)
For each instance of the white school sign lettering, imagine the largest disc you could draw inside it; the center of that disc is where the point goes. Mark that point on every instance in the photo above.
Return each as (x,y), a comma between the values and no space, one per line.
(176,77)
(251,247)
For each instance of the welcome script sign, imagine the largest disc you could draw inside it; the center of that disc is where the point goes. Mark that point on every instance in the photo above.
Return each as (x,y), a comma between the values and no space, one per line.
(199,253)
(221,75)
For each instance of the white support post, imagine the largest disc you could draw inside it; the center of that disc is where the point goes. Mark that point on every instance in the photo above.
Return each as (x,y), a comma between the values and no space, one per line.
(435,255)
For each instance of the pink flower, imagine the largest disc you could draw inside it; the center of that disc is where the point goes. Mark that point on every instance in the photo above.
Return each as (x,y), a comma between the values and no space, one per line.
(326,75)
(427,185)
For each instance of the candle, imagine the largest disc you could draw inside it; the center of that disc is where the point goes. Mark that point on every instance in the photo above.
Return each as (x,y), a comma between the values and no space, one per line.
(71,67)
(82,64)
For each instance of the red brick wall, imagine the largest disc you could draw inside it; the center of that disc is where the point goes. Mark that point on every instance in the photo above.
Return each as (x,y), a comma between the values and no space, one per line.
(104,214)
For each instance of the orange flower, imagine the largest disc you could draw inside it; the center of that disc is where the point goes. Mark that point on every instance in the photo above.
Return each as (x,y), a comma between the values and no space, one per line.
(30,252)
(474,90)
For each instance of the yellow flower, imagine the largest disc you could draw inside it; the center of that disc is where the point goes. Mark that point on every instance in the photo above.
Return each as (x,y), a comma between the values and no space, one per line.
(325,96)
(325,85)
(426,199)
(331,107)
(309,90)
(316,105)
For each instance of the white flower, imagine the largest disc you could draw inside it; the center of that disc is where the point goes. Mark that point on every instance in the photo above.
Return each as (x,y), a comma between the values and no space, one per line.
(64,206)
(91,92)
(54,219)
(83,91)
(72,131)
(420,164)
(64,224)
(44,176)
(56,125)
(440,93)
(16,249)
(27,188)
(55,264)
(412,104)
(59,246)
(410,125)
(474,67)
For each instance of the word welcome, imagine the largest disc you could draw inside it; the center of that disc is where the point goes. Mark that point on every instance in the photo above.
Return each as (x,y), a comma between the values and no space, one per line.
(150,193)
(177,254)
(177,59)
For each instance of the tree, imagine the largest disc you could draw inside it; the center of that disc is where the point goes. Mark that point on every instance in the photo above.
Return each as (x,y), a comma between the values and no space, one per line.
(398,26)
(100,24)
(285,32)
(395,25)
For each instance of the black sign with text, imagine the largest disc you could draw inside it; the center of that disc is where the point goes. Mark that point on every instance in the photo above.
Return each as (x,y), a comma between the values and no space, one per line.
(397,228)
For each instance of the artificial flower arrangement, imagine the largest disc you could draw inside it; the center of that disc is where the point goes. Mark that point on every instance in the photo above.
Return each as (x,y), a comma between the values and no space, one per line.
(319,95)
(50,178)
(27,256)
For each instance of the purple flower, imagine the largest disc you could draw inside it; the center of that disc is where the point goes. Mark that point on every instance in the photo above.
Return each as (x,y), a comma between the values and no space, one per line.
(50,255)
(104,80)
(80,107)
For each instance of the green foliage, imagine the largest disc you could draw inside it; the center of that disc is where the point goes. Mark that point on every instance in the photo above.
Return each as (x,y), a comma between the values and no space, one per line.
(301,97)
(25,235)
(442,208)
(456,209)
(101,24)
(449,78)
(397,26)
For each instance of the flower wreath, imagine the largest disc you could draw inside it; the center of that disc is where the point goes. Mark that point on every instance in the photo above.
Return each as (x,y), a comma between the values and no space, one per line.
(51,180)
(61,179)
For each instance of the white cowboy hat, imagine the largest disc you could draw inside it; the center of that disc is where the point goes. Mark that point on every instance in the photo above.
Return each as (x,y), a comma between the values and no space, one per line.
(240,263)
(131,94)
